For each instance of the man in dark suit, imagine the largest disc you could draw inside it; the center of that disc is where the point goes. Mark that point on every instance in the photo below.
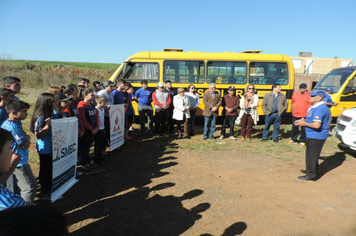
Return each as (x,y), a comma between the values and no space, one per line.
(212,102)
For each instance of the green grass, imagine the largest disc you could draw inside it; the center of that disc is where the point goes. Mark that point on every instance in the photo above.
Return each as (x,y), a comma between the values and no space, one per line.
(290,153)
(92,65)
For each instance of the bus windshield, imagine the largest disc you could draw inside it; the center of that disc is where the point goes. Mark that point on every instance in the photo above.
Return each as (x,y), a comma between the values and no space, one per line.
(137,71)
(335,78)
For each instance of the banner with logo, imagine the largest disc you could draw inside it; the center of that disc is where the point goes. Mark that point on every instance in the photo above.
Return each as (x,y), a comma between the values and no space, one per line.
(117,126)
(64,154)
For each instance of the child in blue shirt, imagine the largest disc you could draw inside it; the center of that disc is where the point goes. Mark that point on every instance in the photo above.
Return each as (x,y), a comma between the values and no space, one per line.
(6,95)
(8,163)
(25,182)
(144,96)
(119,92)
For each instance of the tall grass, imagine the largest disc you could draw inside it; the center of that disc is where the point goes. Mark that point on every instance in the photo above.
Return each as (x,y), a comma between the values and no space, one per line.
(37,74)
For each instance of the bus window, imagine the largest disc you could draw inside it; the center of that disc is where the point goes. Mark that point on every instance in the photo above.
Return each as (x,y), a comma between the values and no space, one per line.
(183,71)
(137,71)
(222,72)
(268,73)
(335,78)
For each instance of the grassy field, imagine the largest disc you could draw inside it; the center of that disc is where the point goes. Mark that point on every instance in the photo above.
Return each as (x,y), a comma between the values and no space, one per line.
(36,74)
(92,65)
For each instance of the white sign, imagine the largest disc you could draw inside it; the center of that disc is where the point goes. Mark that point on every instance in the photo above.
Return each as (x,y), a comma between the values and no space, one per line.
(117,126)
(64,154)
(10,183)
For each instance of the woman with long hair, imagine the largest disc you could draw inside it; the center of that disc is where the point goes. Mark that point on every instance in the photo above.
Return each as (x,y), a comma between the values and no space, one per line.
(248,115)
(40,125)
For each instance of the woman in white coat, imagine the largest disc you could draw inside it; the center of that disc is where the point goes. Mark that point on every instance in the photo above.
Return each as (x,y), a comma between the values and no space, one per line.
(248,115)
(181,111)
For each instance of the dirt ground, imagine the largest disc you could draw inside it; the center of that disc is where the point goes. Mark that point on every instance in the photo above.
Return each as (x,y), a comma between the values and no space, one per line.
(153,186)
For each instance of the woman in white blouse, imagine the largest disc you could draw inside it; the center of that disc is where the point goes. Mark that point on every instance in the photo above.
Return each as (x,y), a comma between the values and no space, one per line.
(181,111)
(194,103)
(248,115)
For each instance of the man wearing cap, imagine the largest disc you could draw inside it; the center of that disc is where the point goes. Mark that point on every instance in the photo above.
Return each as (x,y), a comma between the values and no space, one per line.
(212,102)
(162,101)
(109,86)
(301,104)
(230,104)
(144,96)
(317,131)
(329,102)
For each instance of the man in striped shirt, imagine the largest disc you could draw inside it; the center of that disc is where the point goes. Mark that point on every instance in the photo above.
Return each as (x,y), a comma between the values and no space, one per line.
(8,163)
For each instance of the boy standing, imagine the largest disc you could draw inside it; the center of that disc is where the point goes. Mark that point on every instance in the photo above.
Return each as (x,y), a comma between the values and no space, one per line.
(84,82)
(109,86)
(170,122)
(25,182)
(119,92)
(6,95)
(144,96)
(100,135)
(128,95)
(8,163)
(97,87)
(13,83)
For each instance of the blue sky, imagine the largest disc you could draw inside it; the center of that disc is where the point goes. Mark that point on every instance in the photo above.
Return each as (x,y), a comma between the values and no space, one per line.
(110,31)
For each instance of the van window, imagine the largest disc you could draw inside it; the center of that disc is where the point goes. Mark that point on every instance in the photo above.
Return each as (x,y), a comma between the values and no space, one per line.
(137,71)
(223,72)
(335,78)
(183,71)
(268,73)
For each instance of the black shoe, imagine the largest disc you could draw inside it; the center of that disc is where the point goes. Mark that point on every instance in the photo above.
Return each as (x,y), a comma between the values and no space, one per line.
(264,140)
(191,133)
(275,141)
(305,177)
(303,171)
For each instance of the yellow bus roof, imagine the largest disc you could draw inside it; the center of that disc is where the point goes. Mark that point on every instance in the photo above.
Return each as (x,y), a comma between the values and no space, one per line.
(193,55)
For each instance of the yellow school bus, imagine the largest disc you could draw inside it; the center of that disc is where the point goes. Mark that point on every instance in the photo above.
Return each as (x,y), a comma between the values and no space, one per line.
(342,80)
(201,69)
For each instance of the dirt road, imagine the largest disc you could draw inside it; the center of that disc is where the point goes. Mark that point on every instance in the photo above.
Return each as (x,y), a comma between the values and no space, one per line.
(155,187)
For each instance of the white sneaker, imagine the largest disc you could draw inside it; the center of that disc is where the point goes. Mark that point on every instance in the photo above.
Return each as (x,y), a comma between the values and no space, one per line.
(221,137)
(232,137)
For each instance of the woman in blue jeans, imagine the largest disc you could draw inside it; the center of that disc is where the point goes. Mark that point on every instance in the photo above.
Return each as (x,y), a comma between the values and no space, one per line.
(194,103)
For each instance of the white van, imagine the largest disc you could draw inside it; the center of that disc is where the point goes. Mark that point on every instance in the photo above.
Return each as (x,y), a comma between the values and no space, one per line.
(345,129)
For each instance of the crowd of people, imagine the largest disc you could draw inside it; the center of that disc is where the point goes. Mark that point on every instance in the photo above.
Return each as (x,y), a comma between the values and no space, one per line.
(91,107)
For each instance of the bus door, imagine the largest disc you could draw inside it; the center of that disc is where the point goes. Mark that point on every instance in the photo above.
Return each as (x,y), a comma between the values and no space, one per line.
(348,95)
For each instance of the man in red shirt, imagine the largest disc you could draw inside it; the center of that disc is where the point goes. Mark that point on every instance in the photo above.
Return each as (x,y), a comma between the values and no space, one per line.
(301,104)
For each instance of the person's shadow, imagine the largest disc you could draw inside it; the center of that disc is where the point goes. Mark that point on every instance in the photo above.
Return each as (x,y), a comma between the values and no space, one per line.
(234,229)
(330,163)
